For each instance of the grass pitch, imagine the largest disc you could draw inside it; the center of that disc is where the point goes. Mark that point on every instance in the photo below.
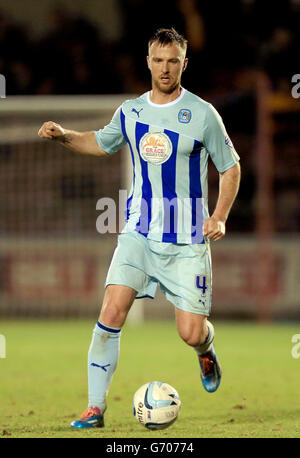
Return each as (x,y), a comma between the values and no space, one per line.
(43,381)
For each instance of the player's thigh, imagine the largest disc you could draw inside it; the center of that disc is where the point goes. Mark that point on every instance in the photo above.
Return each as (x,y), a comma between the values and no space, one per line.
(191,327)
(116,304)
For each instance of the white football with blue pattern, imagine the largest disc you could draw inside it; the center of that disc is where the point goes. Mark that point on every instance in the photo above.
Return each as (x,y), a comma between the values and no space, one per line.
(156,405)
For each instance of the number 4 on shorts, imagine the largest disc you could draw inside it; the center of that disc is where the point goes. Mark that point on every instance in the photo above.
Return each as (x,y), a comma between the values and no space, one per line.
(201,283)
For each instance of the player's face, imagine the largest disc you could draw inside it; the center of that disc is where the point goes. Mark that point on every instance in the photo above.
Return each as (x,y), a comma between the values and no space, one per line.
(166,64)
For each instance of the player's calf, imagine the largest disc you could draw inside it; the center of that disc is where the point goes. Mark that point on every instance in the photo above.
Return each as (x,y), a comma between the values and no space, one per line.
(192,328)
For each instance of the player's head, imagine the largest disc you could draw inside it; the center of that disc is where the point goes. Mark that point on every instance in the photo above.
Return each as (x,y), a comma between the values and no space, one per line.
(166,59)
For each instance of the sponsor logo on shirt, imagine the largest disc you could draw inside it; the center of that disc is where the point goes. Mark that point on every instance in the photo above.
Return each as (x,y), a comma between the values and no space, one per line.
(155,148)
(228,142)
(134,110)
(184,116)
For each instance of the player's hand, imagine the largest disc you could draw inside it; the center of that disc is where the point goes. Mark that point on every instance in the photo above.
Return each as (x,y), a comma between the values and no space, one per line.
(51,130)
(213,228)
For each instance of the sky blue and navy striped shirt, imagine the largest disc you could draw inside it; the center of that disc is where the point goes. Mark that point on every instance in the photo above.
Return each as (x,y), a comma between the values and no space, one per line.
(169,146)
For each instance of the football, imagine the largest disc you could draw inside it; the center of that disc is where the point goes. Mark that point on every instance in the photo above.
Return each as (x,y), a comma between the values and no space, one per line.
(156,405)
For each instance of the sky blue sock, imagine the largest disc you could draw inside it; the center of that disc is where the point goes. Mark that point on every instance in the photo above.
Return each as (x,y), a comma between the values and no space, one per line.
(103,357)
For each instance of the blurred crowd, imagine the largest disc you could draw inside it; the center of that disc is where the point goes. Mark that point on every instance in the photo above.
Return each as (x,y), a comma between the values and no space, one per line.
(226,41)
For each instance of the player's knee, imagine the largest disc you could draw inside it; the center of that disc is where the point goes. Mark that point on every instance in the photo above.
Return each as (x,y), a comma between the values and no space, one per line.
(113,313)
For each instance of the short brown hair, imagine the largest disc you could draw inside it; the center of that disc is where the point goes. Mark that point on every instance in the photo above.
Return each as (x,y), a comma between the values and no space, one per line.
(168,36)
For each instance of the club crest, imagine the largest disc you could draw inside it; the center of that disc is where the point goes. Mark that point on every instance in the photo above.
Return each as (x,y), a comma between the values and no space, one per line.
(184,116)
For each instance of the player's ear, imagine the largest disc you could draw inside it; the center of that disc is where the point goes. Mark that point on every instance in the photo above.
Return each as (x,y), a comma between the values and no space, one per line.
(185,64)
(148,62)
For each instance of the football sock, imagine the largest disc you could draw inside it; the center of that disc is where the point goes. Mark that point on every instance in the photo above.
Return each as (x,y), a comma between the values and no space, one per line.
(103,357)
(207,344)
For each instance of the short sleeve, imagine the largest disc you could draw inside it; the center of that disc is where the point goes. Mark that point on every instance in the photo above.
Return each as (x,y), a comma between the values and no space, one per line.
(217,141)
(111,137)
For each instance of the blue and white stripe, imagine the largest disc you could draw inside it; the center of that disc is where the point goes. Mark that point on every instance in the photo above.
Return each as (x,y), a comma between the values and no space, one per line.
(166,199)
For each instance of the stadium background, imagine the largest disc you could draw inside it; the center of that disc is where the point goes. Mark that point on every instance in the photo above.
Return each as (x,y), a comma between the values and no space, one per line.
(74,63)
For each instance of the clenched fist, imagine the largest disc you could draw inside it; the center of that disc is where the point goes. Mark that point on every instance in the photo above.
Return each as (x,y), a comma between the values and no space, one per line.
(52,131)
(214,229)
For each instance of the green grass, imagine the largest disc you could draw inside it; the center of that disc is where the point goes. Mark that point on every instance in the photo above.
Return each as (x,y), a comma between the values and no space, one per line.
(43,381)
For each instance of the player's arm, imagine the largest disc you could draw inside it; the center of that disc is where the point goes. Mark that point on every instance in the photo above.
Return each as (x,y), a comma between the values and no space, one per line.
(214,227)
(226,160)
(80,142)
